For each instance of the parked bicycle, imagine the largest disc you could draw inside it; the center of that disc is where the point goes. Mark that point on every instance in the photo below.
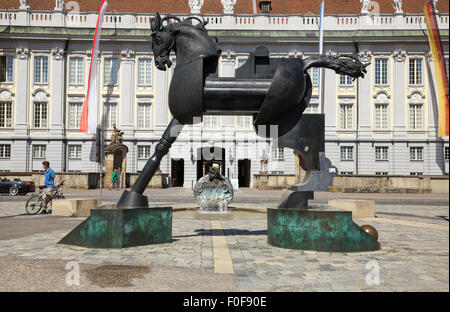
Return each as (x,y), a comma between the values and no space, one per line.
(37,202)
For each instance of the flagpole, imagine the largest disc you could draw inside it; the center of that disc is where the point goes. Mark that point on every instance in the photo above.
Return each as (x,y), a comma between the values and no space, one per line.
(321,70)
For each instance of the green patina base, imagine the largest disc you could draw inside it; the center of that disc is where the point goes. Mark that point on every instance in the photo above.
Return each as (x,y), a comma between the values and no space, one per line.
(121,228)
(321,229)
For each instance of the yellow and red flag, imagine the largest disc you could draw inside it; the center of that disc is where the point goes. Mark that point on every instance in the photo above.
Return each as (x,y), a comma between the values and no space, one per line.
(439,67)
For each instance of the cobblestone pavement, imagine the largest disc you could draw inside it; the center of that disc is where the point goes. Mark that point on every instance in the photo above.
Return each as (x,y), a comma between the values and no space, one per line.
(414,254)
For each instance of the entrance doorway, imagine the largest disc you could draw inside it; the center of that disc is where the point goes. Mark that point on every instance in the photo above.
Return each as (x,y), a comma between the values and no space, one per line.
(208,157)
(244,172)
(177,172)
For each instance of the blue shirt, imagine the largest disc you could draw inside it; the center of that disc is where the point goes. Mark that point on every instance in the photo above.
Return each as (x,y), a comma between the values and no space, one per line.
(49,178)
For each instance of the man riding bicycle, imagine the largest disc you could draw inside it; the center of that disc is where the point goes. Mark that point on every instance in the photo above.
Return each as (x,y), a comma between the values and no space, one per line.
(49,183)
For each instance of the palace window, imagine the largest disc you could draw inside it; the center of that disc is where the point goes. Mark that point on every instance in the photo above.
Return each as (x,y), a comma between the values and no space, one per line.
(75,110)
(5,151)
(277,152)
(381,153)
(346,116)
(76,70)
(314,74)
(5,114)
(111,74)
(110,115)
(265,6)
(144,152)
(145,72)
(312,109)
(39,151)
(75,151)
(416,173)
(241,61)
(144,116)
(415,71)
(415,116)
(382,173)
(345,80)
(381,116)
(211,122)
(40,115)
(381,71)
(244,122)
(446,153)
(416,153)
(6,68)
(346,152)
(346,172)
(41,69)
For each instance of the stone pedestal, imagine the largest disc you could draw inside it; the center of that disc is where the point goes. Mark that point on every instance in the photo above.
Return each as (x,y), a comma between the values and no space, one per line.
(320,229)
(122,228)
(359,208)
(74,207)
(115,158)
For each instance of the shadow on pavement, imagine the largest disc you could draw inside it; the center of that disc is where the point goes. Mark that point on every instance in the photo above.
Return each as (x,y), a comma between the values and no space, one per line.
(224,232)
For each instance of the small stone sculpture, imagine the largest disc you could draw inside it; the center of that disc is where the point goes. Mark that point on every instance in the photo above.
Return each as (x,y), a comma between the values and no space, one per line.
(116,136)
(398,6)
(213,192)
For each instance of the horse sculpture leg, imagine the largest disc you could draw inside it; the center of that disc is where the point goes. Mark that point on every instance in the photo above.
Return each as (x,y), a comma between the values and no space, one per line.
(134,198)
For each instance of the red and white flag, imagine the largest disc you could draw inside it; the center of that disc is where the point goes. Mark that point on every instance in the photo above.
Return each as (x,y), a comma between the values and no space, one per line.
(89,115)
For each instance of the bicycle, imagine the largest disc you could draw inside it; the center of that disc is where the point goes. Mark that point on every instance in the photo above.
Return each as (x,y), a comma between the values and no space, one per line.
(37,202)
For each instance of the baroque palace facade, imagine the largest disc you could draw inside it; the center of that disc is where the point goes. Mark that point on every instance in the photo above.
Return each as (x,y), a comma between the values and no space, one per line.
(385,124)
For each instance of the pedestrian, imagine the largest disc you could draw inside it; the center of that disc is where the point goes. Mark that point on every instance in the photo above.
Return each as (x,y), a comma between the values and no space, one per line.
(114,180)
(49,183)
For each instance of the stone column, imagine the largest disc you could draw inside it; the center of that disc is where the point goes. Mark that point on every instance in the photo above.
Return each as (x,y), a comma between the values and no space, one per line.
(57,93)
(399,162)
(399,96)
(364,92)
(127,93)
(23,94)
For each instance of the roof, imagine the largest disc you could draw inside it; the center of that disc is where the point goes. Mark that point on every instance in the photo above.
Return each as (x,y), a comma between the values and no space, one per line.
(241,7)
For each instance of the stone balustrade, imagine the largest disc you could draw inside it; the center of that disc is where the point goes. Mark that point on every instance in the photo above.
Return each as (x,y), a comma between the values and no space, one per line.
(223,22)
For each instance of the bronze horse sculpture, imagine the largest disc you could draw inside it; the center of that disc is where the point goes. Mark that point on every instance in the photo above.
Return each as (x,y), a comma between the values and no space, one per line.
(274,91)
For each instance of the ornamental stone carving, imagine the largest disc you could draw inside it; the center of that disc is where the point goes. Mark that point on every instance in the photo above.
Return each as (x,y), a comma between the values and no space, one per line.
(295,54)
(6,95)
(399,55)
(23,53)
(196,6)
(228,6)
(58,54)
(365,56)
(332,54)
(128,56)
(229,54)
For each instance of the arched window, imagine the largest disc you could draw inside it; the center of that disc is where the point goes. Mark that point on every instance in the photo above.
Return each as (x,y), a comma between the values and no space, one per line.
(416,111)
(381,121)
(5,109)
(40,109)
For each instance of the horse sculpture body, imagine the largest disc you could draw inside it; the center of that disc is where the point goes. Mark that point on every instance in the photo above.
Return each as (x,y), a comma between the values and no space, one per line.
(274,91)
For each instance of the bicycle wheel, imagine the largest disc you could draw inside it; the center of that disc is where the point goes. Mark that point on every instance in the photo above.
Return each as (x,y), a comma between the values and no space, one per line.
(34,205)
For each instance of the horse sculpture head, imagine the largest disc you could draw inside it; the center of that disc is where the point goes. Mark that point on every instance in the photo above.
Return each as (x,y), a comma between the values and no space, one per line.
(187,40)
(163,41)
